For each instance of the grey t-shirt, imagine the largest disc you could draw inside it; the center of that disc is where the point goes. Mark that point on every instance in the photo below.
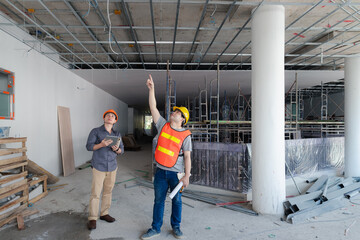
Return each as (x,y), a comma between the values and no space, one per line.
(186,146)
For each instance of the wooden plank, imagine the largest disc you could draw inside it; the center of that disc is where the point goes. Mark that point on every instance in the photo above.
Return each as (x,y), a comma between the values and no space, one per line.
(34,168)
(45,190)
(66,143)
(18,210)
(12,140)
(12,166)
(45,185)
(13,177)
(20,222)
(12,160)
(20,200)
(12,187)
(23,188)
(38,197)
(40,179)
(24,213)
(8,151)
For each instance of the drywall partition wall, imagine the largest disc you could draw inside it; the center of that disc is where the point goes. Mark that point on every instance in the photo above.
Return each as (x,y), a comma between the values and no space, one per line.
(41,86)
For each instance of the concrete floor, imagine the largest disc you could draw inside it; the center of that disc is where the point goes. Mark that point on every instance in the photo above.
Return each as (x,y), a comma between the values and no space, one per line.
(63,214)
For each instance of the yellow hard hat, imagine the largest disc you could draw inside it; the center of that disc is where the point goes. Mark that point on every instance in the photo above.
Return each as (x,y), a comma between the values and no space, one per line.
(184,111)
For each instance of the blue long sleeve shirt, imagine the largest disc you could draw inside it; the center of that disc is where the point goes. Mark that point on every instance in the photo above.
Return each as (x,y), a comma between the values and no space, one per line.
(104,159)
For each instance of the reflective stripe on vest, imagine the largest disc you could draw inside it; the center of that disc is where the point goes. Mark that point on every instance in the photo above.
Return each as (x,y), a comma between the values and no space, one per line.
(169,145)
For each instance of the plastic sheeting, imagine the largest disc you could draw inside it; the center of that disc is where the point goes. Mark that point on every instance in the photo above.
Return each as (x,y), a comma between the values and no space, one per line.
(228,166)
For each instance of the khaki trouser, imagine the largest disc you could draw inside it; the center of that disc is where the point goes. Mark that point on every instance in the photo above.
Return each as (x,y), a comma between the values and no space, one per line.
(101,181)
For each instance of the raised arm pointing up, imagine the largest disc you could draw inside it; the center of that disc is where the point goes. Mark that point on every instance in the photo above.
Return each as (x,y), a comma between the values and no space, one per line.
(152,101)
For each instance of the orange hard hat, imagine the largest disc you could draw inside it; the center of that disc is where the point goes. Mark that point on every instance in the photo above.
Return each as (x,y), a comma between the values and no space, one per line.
(111,111)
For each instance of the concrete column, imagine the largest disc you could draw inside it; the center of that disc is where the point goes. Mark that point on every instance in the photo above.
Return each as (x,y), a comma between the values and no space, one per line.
(352,117)
(268,89)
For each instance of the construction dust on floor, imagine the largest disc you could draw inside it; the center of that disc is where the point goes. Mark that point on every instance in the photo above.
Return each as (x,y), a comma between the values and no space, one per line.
(63,213)
(60,225)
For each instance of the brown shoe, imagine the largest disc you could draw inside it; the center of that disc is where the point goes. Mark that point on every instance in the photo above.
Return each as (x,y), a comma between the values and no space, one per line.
(107,218)
(91,224)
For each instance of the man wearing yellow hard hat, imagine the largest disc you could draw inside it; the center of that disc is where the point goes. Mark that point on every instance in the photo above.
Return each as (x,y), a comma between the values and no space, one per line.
(106,144)
(172,155)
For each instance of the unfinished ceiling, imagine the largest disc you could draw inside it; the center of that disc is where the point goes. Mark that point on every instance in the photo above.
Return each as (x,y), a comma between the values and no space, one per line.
(190,34)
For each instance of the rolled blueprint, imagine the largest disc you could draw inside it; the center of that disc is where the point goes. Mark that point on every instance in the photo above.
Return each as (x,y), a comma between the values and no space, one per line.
(176,189)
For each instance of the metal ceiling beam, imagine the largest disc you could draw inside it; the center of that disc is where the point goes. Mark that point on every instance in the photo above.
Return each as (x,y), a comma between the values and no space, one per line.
(305,30)
(164,63)
(72,35)
(197,31)
(211,54)
(101,16)
(242,49)
(62,61)
(91,33)
(27,17)
(13,13)
(175,30)
(332,55)
(319,37)
(23,20)
(302,15)
(172,28)
(352,15)
(237,34)
(255,3)
(356,10)
(217,32)
(233,11)
(305,49)
(153,31)
(185,42)
(287,27)
(132,32)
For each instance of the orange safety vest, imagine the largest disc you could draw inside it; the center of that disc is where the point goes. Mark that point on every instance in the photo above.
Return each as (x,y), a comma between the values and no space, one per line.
(169,145)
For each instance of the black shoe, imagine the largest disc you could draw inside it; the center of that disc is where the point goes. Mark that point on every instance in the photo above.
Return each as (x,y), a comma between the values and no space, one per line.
(107,218)
(91,224)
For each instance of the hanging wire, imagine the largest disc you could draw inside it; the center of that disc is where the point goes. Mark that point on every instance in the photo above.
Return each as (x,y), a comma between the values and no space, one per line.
(212,14)
(110,38)
(88,11)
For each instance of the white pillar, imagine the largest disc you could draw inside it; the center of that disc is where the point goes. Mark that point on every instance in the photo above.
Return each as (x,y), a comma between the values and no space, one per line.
(352,117)
(268,89)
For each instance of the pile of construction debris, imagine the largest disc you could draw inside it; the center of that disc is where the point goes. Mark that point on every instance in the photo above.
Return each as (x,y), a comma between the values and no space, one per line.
(325,195)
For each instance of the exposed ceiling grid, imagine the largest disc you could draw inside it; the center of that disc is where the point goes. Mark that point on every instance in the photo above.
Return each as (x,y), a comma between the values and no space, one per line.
(191,34)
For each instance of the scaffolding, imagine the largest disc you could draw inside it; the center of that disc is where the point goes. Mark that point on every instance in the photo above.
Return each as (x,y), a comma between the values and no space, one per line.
(203,103)
(292,112)
(301,121)
(214,106)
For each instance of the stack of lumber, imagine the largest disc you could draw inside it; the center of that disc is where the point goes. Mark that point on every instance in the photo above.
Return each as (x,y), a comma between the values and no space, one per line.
(14,184)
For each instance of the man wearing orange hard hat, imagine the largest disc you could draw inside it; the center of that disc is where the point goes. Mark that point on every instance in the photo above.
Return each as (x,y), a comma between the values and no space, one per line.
(172,155)
(106,144)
